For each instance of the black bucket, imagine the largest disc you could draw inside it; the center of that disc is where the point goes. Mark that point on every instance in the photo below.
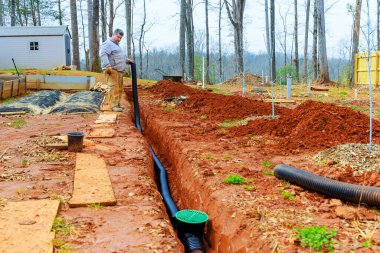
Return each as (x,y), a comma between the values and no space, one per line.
(75,141)
(191,221)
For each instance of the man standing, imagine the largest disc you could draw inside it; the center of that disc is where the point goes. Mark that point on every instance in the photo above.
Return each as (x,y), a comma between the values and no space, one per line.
(113,65)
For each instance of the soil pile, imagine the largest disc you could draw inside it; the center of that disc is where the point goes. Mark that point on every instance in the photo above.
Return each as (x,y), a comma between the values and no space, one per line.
(215,106)
(315,126)
(250,79)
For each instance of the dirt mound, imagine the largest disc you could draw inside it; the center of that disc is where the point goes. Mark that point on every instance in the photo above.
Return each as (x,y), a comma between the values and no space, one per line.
(315,126)
(250,79)
(214,106)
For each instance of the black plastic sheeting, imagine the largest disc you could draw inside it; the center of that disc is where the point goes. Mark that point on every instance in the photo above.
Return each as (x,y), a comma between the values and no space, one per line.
(34,103)
(81,102)
(353,193)
(44,102)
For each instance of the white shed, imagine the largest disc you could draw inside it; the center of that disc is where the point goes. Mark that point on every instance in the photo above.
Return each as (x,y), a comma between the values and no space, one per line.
(42,47)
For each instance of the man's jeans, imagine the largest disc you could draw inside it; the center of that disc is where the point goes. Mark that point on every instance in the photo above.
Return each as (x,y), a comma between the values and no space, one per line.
(114,82)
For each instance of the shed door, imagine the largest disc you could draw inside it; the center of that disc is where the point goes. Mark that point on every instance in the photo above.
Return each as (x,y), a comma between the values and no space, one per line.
(68,49)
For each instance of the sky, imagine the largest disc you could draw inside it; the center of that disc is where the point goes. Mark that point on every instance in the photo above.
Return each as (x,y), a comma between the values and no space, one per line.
(163,20)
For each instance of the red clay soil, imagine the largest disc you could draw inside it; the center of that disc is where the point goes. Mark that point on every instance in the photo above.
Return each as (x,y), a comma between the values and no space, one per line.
(256,216)
(314,126)
(214,106)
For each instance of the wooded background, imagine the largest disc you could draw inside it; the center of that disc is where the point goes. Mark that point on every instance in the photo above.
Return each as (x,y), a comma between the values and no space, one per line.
(92,21)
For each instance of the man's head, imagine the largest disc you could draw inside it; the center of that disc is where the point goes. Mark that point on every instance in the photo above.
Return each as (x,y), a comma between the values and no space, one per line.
(117,35)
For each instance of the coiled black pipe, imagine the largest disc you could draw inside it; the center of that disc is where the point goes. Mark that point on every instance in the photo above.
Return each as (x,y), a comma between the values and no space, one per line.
(192,242)
(333,188)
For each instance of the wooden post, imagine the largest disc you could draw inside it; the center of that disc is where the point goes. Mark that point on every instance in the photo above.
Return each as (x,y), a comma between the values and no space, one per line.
(18,87)
(12,89)
(1,89)
(88,83)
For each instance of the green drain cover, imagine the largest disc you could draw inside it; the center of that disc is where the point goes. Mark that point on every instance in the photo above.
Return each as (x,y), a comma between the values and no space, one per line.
(191,216)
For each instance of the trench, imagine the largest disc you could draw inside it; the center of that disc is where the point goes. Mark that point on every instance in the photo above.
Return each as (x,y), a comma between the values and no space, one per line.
(224,231)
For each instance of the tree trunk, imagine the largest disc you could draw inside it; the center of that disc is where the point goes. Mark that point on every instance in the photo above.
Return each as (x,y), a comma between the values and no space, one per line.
(90,28)
(33,12)
(74,33)
(190,39)
(236,17)
(315,42)
(378,25)
(141,40)
(355,40)
(305,56)
(60,12)
(84,37)
(13,12)
(207,45)
(95,34)
(273,40)
(220,42)
(1,13)
(296,59)
(25,13)
(182,38)
(324,76)
(103,18)
(38,13)
(128,11)
(267,35)
(112,18)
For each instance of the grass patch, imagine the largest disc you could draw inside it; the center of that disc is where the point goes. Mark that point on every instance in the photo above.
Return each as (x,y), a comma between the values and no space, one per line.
(9,100)
(318,238)
(204,116)
(249,187)
(18,123)
(267,165)
(171,109)
(234,179)
(269,173)
(343,93)
(360,109)
(95,206)
(63,227)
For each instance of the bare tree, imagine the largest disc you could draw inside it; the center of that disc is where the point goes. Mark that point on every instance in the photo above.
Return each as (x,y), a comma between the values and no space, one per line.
(182,37)
(141,39)
(378,25)
(236,16)
(190,38)
(1,13)
(60,12)
(267,37)
(84,37)
(273,40)
(128,18)
(207,45)
(103,18)
(111,18)
(324,75)
(90,29)
(13,12)
(315,41)
(74,32)
(305,56)
(355,39)
(220,59)
(95,40)
(296,59)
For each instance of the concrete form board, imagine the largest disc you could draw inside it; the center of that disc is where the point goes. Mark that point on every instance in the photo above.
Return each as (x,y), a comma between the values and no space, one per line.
(60,82)
(12,88)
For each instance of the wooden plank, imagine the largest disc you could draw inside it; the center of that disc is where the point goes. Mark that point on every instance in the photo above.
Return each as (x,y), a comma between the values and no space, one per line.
(13,113)
(106,118)
(92,184)
(318,88)
(277,100)
(102,133)
(26,226)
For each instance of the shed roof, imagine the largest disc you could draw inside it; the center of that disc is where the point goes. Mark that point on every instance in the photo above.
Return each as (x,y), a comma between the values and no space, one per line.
(17,31)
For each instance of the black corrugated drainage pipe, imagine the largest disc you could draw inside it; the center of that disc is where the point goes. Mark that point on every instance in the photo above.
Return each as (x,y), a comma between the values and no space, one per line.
(333,188)
(192,242)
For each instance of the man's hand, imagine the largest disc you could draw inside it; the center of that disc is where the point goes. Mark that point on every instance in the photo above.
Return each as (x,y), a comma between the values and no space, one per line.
(108,70)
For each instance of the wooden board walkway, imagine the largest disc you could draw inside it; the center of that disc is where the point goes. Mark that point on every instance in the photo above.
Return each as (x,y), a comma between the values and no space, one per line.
(26,226)
(106,118)
(92,184)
